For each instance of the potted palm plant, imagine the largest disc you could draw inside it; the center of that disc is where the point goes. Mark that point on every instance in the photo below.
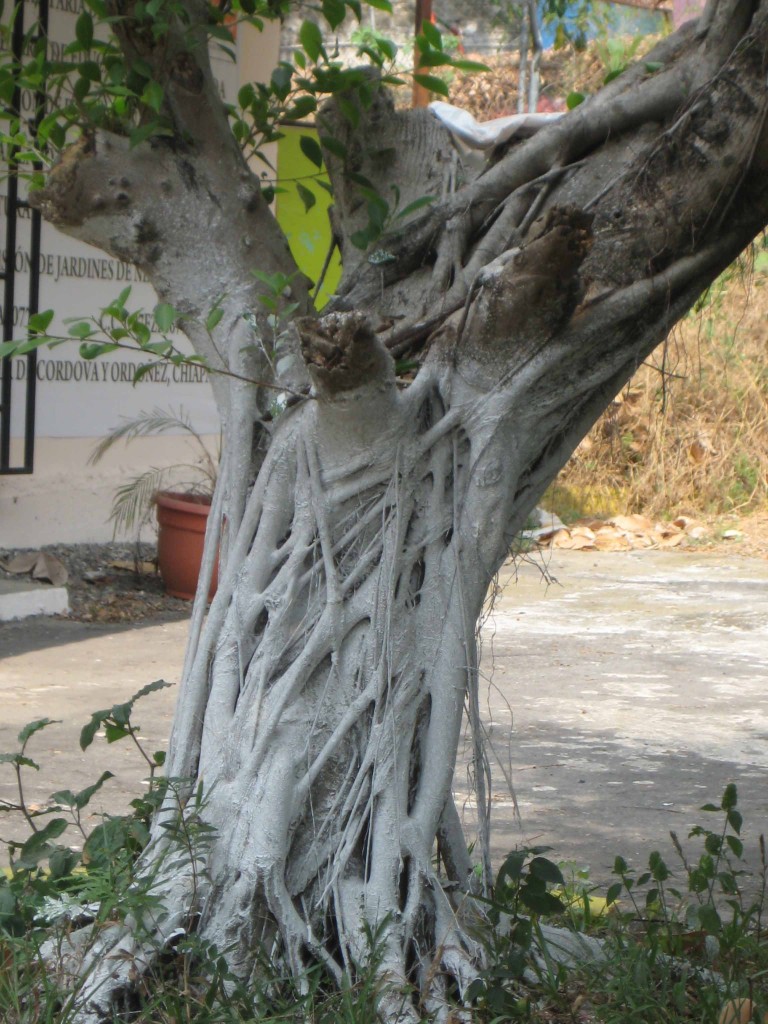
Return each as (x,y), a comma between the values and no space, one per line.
(179,494)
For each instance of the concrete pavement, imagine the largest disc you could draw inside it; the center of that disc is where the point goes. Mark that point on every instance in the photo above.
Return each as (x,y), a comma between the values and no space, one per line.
(618,697)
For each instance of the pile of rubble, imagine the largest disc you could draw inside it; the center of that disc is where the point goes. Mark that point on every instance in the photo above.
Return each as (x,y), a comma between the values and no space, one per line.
(620,533)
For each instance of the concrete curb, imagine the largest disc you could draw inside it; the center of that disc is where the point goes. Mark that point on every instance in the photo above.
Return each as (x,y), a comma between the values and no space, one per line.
(19,599)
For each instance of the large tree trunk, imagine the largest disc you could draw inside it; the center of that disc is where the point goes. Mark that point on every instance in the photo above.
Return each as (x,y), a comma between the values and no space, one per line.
(323,696)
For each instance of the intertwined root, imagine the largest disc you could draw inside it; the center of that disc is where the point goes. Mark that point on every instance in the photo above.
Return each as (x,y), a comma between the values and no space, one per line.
(337,688)
(335,664)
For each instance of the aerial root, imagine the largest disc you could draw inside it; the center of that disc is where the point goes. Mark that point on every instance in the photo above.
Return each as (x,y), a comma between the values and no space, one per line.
(450,254)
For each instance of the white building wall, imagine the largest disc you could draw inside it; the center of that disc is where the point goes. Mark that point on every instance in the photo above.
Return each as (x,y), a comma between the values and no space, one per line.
(66,500)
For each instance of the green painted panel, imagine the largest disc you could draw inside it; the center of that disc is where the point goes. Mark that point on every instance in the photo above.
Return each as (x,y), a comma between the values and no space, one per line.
(308,231)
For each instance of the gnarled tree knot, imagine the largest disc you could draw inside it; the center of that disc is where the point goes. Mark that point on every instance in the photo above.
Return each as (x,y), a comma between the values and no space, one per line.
(343,353)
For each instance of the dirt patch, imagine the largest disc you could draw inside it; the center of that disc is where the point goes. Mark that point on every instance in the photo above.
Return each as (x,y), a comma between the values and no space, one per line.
(110,583)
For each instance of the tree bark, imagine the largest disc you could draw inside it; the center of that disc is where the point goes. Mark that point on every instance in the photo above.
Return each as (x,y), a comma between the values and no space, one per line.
(323,695)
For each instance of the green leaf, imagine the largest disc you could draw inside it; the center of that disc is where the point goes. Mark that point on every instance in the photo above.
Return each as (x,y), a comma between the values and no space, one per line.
(730,797)
(30,344)
(40,322)
(512,867)
(246,95)
(736,845)
(281,80)
(141,371)
(431,34)
(114,733)
(333,146)
(350,111)
(417,204)
(90,69)
(614,891)
(653,65)
(546,870)
(620,866)
(147,131)
(363,238)
(541,902)
(334,12)
(214,318)
(461,64)
(613,74)
(84,30)
(306,195)
(380,5)
(311,149)
(140,331)
(573,99)
(81,89)
(432,83)
(20,760)
(38,846)
(153,96)
(88,732)
(158,684)
(52,830)
(659,869)
(95,349)
(82,329)
(165,316)
(713,844)
(709,919)
(697,880)
(735,820)
(303,106)
(32,727)
(158,348)
(62,862)
(83,798)
(311,38)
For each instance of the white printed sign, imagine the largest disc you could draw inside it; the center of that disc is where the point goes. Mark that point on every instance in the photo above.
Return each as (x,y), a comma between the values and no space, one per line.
(76,397)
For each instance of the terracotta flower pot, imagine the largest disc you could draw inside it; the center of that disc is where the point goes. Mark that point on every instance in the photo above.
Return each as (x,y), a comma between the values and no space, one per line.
(181,521)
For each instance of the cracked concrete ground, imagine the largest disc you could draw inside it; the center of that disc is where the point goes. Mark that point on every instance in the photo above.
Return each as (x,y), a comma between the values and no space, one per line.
(618,698)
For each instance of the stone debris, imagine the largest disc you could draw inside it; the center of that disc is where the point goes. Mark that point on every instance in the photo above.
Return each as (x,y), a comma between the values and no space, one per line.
(620,533)
(40,565)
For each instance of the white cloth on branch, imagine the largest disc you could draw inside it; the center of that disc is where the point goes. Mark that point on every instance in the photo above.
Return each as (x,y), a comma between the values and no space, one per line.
(484,134)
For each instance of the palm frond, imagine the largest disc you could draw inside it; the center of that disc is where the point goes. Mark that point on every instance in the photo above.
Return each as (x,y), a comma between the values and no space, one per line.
(134,499)
(159,421)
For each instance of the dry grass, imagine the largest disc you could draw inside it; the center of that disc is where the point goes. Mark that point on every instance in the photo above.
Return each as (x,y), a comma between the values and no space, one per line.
(689,434)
